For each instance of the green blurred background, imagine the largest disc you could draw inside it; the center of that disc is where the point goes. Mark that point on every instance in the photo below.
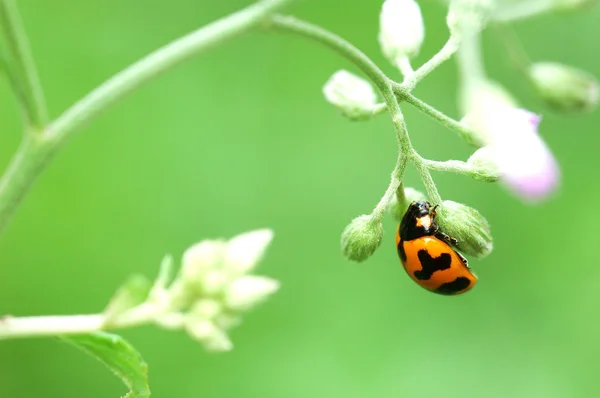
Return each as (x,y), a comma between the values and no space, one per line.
(241,138)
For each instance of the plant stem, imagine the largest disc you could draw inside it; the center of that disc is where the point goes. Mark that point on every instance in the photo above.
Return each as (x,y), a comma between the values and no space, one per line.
(463,132)
(19,327)
(333,41)
(432,191)
(452,166)
(26,164)
(442,56)
(405,67)
(22,66)
(160,61)
(35,152)
(404,150)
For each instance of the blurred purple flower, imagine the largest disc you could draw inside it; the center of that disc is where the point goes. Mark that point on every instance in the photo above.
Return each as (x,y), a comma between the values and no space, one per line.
(526,164)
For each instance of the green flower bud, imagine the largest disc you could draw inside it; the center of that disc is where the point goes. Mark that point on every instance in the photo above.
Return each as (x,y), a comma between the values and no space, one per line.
(361,238)
(484,168)
(400,202)
(565,88)
(466,225)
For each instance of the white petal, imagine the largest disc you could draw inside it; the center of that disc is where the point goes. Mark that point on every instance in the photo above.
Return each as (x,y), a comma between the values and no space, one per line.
(247,291)
(218,341)
(201,257)
(245,250)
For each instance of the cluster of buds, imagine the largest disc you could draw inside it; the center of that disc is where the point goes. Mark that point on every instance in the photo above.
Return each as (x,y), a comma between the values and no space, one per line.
(509,146)
(208,295)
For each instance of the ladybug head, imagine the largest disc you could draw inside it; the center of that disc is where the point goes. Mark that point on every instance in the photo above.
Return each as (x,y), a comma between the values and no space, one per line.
(418,221)
(419,209)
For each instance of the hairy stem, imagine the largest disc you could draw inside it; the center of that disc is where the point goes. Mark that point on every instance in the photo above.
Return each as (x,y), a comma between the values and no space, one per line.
(463,131)
(432,191)
(442,56)
(404,150)
(157,62)
(333,41)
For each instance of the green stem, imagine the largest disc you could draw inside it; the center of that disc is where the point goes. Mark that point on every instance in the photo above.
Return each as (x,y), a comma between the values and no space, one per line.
(35,152)
(432,191)
(452,166)
(24,70)
(333,41)
(404,150)
(442,56)
(463,132)
(158,62)
(29,160)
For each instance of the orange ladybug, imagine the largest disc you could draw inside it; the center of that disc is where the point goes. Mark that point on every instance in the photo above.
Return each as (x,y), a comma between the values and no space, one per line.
(427,254)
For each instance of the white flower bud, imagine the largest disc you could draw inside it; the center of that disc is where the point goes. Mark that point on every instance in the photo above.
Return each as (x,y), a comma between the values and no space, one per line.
(468,16)
(401,29)
(200,258)
(206,309)
(246,250)
(352,95)
(565,88)
(247,291)
(207,333)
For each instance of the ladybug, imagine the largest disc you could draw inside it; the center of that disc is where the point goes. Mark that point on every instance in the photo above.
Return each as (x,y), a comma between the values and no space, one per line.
(427,254)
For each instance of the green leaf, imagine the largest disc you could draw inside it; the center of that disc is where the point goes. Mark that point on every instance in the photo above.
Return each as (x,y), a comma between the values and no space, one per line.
(119,356)
(130,294)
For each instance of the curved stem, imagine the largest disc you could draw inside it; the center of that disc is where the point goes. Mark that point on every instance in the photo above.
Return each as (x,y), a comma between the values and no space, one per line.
(404,150)
(333,41)
(442,56)
(35,151)
(432,191)
(157,62)
(463,132)
(452,166)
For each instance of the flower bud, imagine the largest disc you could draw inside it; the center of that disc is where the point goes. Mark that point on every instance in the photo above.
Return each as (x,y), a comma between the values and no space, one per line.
(484,168)
(565,88)
(352,95)
(525,163)
(401,29)
(199,260)
(468,16)
(246,250)
(361,238)
(466,225)
(247,291)
(400,204)
(207,333)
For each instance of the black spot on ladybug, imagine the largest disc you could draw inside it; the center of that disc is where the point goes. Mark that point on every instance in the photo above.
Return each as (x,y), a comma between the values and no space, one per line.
(454,287)
(401,251)
(431,264)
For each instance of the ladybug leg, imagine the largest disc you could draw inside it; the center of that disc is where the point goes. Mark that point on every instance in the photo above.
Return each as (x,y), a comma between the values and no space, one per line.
(463,259)
(449,240)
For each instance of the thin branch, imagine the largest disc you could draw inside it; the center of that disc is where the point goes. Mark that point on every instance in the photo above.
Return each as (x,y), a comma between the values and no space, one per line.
(333,41)
(33,155)
(23,66)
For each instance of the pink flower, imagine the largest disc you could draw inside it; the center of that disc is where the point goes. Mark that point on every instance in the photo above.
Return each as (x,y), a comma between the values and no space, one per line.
(525,163)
